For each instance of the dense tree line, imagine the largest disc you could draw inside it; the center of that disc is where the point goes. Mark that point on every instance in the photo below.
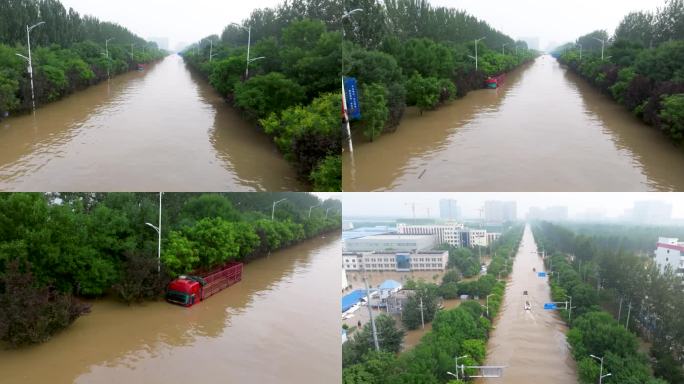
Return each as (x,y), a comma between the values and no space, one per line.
(68,245)
(68,52)
(292,93)
(642,65)
(639,297)
(455,332)
(409,53)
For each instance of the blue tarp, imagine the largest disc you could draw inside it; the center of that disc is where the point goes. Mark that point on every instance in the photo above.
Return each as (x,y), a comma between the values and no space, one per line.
(390,284)
(352,298)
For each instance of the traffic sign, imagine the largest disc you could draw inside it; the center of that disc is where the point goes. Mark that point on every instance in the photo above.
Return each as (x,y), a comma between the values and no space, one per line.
(541,274)
(550,306)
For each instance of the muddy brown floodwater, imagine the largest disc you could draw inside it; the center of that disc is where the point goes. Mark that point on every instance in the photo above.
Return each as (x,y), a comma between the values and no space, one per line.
(162,129)
(546,129)
(277,325)
(531,344)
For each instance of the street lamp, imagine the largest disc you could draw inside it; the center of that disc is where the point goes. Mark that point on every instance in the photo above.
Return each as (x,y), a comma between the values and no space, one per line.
(601,375)
(476,42)
(580,45)
(326,212)
(603,44)
(249,44)
(344,98)
(312,207)
(29,59)
(158,229)
(503,51)
(456,361)
(274,205)
(132,45)
(107,53)
(488,303)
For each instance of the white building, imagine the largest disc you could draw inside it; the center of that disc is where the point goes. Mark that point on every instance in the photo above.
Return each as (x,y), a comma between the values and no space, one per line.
(477,237)
(396,261)
(669,251)
(390,242)
(444,233)
(492,237)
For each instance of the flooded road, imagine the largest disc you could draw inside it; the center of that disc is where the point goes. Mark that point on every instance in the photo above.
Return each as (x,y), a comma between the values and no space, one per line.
(546,129)
(268,328)
(162,129)
(531,344)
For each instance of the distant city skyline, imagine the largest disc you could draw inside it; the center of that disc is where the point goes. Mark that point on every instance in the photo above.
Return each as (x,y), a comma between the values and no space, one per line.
(582,205)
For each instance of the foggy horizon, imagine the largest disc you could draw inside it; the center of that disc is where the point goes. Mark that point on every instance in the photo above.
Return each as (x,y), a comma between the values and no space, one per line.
(600,205)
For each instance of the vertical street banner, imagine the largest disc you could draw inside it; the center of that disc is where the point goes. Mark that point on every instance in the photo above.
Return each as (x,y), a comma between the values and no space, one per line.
(351,96)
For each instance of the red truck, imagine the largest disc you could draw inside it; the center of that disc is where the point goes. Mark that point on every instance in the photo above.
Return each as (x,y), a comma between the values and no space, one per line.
(189,290)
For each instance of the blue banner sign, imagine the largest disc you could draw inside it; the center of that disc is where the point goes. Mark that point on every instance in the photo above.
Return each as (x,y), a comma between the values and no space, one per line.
(351,95)
(541,274)
(549,305)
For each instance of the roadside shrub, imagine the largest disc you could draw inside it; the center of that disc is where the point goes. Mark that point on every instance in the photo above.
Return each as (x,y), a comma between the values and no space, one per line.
(375,111)
(672,116)
(31,313)
(139,279)
(262,95)
(422,92)
(327,177)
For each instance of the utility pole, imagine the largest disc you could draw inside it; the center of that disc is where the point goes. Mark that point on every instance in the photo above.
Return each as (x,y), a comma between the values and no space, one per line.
(629,311)
(477,41)
(158,229)
(422,319)
(603,44)
(107,54)
(29,59)
(370,312)
(503,50)
(620,311)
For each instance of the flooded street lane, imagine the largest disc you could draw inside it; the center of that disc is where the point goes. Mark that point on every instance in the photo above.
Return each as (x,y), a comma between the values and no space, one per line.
(546,129)
(276,326)
(163,129)
(531,344)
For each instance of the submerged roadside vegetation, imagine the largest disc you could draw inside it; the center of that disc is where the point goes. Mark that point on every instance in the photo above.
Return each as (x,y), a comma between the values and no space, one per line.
(617,294)
(455,332)
(641,66)
(292,87)
(56,249)
(69,52)
(410,53)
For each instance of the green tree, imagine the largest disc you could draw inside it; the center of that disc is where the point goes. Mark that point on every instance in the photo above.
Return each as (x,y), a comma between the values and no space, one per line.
(375,110)
(271,93)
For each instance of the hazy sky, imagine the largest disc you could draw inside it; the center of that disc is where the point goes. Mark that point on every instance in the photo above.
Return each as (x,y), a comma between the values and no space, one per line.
(394,204)
(188,21)
(180,21)
(551,20)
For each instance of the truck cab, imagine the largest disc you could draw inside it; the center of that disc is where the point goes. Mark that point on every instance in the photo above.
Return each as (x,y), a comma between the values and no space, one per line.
(185,290)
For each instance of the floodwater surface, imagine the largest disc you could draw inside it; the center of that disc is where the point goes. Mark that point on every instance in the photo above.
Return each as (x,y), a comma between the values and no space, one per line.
(162,129)
(545,129)
(277,325)
(531,344)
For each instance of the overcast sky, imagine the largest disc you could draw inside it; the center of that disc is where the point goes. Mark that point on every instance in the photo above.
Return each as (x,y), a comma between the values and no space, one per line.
(183,21)
(395,204)
(188,21)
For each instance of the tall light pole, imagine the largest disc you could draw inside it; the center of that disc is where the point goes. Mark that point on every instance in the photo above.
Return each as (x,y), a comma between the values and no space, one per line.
(132,45)
(370,311)
(503,50)
(477,41)
(312,207)
(344,97)
(107,53)
(580,45)
(249,44)
(601,375)
(274,205)
(158,229)
(603,45)
(456,360)
(326,212)
(488,303)
(29,59)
